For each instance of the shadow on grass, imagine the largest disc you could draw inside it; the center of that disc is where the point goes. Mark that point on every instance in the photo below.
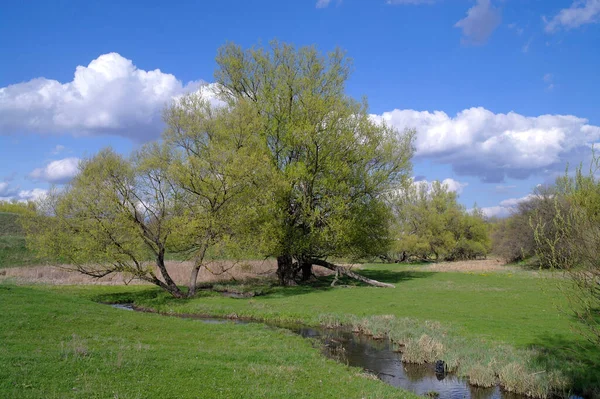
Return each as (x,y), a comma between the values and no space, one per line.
(579,360)
(394,277)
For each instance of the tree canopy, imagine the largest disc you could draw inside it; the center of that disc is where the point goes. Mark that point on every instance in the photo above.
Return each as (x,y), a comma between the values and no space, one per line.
(331,164)
(286,164)
(430,224)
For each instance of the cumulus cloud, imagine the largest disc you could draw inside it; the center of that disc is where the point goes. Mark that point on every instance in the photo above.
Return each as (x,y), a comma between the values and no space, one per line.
(580,13)
(109,96)
(32,195)
(8,193)
(506,207)
(481,20)
(58,172)
(6,190)
(478,142)
(451,184)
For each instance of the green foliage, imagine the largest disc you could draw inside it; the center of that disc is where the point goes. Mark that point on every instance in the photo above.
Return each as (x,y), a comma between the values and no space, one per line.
(572,243)
(329,161)
(431,223)
(513,238)
(13,247)
(19,208)
(10,224)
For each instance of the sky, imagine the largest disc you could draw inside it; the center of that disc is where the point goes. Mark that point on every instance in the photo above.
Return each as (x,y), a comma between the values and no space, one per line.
(503,93)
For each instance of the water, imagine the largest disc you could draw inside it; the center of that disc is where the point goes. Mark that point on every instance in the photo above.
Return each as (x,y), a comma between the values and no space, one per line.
(378,357)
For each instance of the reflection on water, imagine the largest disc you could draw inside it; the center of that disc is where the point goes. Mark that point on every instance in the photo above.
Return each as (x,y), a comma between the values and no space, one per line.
(378,357)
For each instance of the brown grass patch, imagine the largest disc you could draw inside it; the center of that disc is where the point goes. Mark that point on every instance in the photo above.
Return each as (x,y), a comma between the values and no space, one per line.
(474,266)
(215,271)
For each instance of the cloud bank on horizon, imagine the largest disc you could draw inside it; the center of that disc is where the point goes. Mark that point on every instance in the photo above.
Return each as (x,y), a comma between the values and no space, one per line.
(112,97)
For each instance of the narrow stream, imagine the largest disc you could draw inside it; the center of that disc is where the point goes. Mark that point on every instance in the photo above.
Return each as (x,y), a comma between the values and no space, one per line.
(377,357)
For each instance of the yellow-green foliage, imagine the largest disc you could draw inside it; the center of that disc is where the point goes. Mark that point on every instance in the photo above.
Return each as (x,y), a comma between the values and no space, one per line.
(431,224)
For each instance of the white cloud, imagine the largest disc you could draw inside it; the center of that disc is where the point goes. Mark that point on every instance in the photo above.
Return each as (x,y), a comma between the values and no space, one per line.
(109,96)
(454,185)
(580,13)
(6,190)
(506,207)
(451,184)
(478,142)
(60,171)
(481,20)
(32,195)
(22,195)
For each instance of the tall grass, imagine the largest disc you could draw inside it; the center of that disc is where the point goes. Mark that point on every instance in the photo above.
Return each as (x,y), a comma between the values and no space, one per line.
(484,364)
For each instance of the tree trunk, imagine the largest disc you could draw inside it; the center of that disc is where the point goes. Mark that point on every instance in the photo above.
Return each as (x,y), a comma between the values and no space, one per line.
(285,270)
(193,281)
(306,268)
(345,272)
(170,284)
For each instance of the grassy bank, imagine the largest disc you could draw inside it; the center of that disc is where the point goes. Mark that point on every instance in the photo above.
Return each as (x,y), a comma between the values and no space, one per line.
(486,323)
(56,345)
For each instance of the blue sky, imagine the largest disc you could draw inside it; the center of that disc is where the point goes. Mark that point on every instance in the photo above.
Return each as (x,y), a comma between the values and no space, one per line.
(503,93)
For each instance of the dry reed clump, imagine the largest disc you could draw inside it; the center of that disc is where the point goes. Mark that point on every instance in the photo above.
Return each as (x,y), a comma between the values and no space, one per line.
(482,376)
(483,364)
(514,377)
(424,350)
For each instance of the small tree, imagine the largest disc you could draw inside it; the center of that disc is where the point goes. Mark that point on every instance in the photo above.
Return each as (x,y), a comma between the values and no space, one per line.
(330,163)
(220,169)
(430,224)
(114,216)
(572,244)
(513,238)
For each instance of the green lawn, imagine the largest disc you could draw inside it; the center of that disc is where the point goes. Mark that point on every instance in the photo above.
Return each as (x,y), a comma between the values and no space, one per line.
(57,345)
(520,309)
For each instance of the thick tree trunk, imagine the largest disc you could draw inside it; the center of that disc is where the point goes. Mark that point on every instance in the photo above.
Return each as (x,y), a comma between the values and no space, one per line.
(306,268)
(345,272)
(285,270)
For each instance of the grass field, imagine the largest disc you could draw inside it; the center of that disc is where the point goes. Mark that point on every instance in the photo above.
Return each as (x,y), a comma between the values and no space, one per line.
(56,345)
(487,309)
(487,315)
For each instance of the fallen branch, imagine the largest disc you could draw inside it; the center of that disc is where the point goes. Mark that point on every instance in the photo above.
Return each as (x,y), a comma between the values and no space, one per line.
(345,272)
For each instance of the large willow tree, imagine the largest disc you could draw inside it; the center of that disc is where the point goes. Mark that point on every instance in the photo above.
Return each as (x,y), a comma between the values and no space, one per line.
(330,162)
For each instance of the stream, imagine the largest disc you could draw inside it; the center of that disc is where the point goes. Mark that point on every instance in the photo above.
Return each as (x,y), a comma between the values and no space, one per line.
(378,357)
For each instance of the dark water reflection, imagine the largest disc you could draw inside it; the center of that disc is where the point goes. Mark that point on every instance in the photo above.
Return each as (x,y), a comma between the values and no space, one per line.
(378,357)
